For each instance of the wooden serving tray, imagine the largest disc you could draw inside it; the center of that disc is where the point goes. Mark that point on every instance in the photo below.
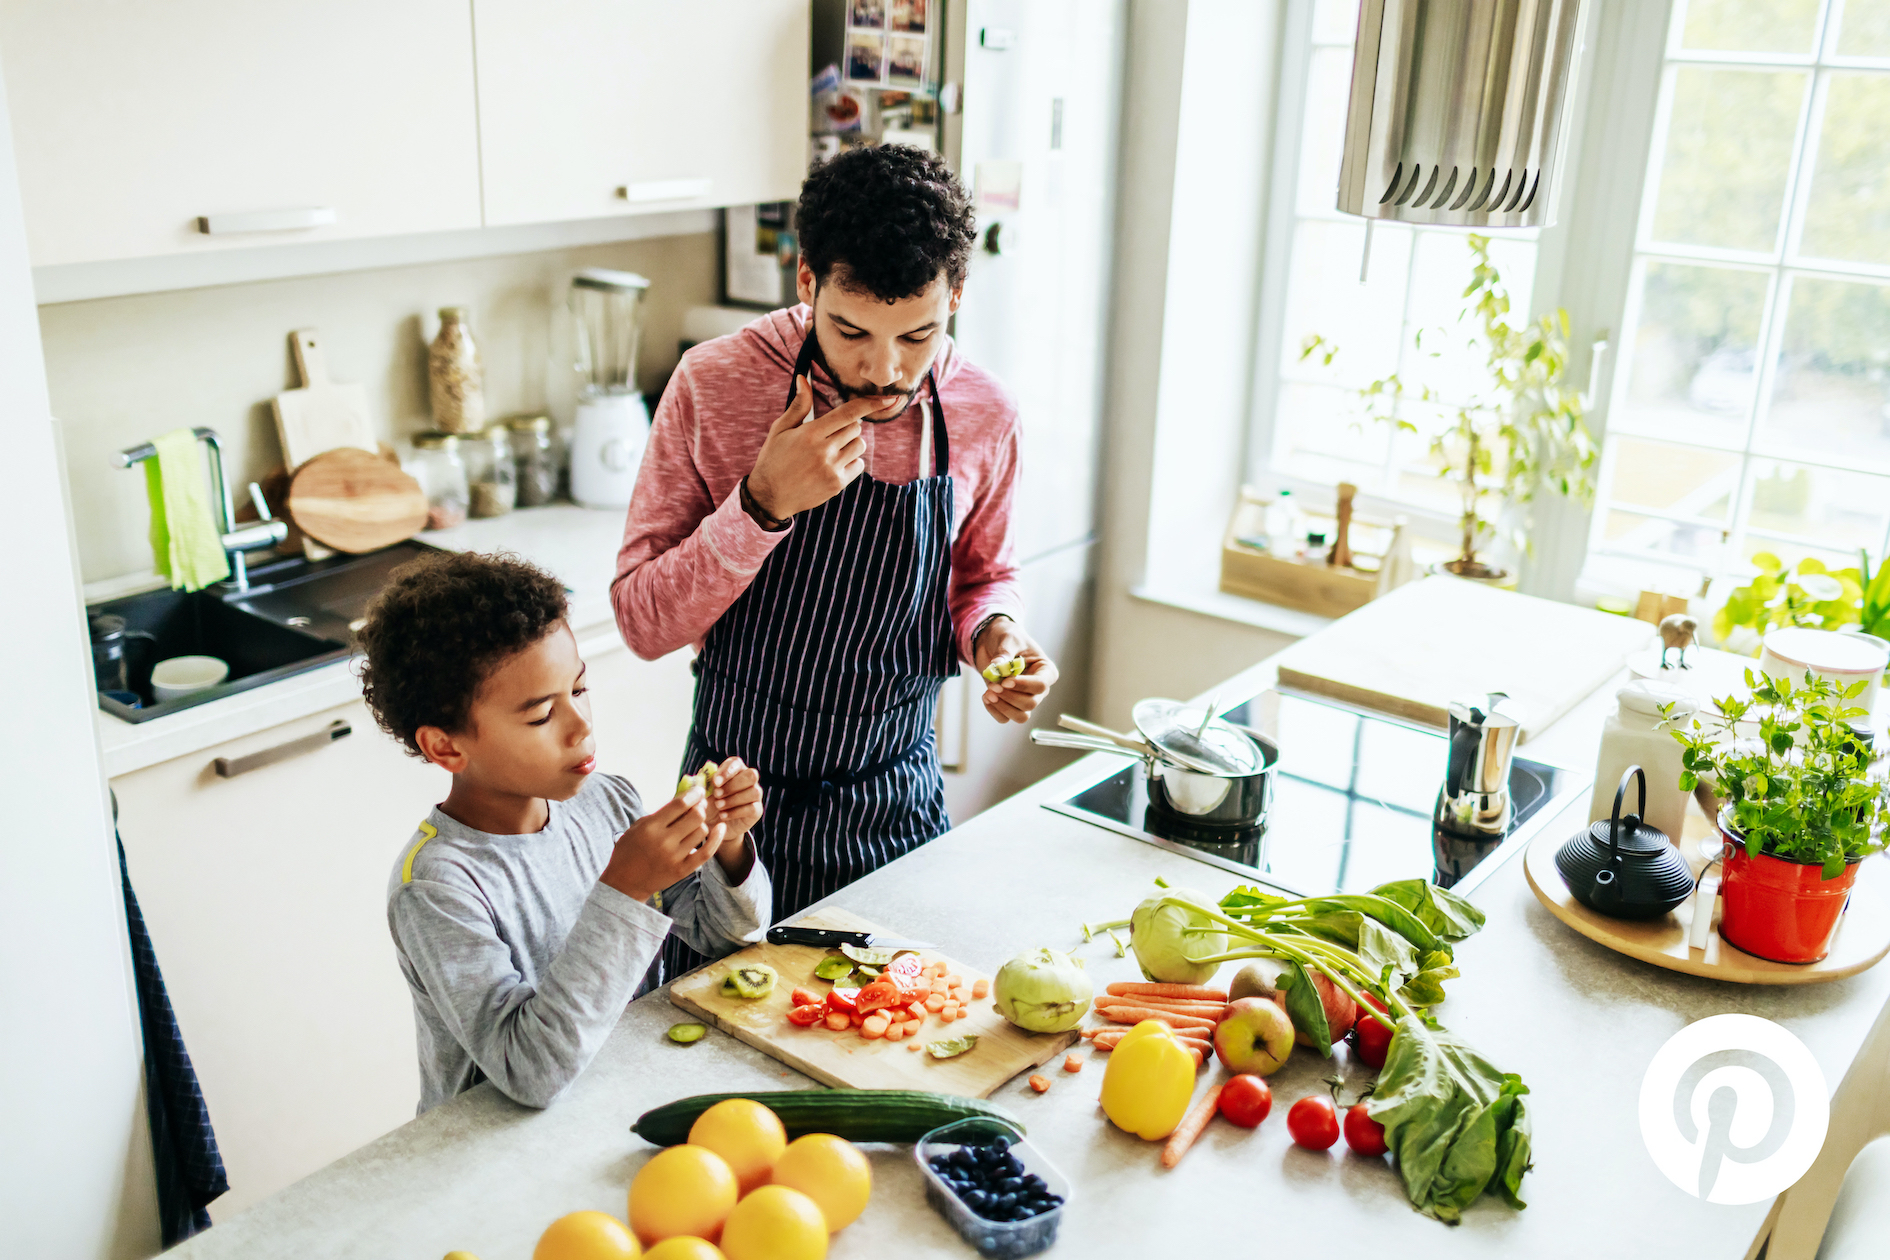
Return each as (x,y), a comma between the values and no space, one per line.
(845,1059)
(1862,941)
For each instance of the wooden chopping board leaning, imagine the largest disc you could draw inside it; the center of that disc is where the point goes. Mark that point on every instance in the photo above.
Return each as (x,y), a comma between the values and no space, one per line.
(322,415)
(356,501)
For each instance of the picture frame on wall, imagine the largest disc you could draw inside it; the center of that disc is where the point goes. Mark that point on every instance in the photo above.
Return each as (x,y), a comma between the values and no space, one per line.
(906,60)
(909,17)
(869,14)
(866,56)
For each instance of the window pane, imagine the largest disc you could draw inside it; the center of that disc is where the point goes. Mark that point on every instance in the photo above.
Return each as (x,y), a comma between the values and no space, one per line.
(1324,298)
(1831,395)
(1627,531)
(1729,146)
(1448,360)
(1674,480)
(1751,25)
(1336,22)
(1321,432)
(1866,29)
(1695,354)
(1841,511)
(1848,215)
(1328,85)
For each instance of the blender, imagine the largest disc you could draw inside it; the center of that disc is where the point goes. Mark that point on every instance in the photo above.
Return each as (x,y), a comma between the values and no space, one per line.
(612,424)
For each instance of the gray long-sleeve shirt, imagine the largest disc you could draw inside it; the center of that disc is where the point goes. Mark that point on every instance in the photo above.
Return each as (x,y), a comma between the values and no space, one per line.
(520,962)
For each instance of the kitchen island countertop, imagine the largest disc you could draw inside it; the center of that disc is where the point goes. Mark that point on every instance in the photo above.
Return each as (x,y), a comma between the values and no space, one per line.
(1579,1023)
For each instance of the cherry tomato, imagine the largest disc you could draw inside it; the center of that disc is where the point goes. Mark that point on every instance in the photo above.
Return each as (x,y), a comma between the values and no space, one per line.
(1314,1122)
(806,997)
(1371,1036)
(1363,1134)
(807,1016)
(845,1001)
(1246,1100)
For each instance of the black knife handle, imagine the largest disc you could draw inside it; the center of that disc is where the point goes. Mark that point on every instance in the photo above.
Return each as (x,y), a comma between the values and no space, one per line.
(827,938)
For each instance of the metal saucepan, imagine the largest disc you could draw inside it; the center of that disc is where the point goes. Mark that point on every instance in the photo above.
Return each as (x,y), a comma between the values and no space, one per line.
(1220,800)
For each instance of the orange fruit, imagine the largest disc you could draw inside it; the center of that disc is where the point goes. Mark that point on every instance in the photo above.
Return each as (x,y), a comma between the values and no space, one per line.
(775,1223)
(683,1190)
(586,1236)
(744,1133)
(832,1172)
(683,1247)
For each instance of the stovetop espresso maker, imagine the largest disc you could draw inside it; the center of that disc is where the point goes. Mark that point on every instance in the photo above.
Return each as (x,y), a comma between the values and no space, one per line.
(1474,802)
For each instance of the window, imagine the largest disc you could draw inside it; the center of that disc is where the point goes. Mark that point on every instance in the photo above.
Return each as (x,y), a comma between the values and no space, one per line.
(1751,406)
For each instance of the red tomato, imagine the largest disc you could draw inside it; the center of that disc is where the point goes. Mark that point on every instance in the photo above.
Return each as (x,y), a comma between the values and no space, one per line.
(845,1001)
(877,995)
(1371,1036)
(1363,1134)
(1246,1100)
(803,997)
(807,1016)
(905,965)
(1314,1122)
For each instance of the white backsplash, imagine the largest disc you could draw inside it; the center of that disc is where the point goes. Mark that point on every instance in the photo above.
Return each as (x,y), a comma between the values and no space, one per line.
(123,369)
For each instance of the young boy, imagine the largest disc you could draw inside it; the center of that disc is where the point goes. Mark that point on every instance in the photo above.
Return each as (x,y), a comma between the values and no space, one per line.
(529,905)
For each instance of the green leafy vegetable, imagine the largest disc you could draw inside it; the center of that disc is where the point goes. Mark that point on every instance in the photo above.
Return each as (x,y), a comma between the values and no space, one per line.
(1305,1009)
(872,957)
(1442,911)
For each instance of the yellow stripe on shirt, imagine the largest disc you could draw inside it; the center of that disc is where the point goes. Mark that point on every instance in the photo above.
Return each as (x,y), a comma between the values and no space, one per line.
(427,832)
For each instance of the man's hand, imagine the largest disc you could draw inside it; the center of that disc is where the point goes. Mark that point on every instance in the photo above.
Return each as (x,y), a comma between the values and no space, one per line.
(737,807)
(802,465)
(665,845)
(1012,699)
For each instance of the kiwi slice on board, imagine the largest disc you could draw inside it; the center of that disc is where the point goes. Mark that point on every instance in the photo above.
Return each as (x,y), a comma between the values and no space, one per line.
(749,981)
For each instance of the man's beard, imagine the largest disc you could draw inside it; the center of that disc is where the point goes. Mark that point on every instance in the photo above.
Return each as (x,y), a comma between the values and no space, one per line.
(846,391)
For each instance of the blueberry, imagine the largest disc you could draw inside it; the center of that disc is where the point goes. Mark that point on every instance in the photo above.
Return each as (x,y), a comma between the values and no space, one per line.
(1013,1165)
(1035,1184)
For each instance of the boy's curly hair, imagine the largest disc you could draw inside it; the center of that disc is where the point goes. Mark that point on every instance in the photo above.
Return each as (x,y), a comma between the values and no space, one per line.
(440,627)
(892,217)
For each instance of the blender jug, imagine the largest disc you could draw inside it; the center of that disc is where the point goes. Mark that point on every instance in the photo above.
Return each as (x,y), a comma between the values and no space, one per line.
(612,424)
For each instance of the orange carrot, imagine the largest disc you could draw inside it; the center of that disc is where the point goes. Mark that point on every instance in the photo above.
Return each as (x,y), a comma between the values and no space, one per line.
(1072,1063)
(895,1032)
(1040,1083)
(950,1013)
(980,987)
(1123,988)
(1136,1014)
(935,1003)
(1182,1138)
(1200,1010)
(838,1021)
(1107,1038)
(955,981)
(874,1025)
(913,1045)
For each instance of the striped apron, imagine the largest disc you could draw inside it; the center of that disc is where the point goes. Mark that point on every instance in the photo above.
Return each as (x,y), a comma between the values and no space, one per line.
(824,675)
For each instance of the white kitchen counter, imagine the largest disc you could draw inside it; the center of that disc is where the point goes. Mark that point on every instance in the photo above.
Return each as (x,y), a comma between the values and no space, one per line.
(578,545)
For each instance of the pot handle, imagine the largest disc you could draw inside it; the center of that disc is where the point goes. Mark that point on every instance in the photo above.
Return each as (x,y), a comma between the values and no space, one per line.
(1620,794)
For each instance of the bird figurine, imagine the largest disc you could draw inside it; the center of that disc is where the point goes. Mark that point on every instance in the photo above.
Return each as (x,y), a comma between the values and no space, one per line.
(1677,631)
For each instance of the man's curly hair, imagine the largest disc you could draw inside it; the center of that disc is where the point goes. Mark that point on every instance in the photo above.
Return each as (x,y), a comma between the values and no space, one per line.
(440,627)
(891,218)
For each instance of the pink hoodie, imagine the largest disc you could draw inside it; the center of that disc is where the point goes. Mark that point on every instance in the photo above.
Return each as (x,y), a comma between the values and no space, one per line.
(689,550)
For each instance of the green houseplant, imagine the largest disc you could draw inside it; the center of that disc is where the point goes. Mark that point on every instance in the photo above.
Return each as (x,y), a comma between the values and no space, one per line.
(1805,593)
(1525,431)
(1798,809)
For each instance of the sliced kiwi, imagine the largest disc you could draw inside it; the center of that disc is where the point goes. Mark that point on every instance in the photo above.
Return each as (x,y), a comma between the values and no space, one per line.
(687,1034)
(750,981)
(835,967)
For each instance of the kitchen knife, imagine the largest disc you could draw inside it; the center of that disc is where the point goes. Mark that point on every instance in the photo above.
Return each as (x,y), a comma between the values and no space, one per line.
(829,938)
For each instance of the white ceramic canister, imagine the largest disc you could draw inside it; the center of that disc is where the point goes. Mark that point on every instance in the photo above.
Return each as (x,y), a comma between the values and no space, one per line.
(1789,651)
(1635,736)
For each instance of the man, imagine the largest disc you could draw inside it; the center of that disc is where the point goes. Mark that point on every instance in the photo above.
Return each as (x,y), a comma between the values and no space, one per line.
(835,561)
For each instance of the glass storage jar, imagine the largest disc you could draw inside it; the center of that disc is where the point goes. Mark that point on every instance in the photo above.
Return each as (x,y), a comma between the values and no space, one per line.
(536,455)
(490,473)
(443,473)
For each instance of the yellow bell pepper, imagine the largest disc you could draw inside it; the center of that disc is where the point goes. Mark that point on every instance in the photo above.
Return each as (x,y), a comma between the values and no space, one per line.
(1148,1082)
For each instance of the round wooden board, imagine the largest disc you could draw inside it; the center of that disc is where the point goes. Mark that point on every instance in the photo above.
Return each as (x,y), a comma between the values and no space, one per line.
(1862,940)
(356,501)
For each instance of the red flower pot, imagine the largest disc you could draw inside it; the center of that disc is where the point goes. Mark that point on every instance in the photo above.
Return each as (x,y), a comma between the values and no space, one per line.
(1778,910)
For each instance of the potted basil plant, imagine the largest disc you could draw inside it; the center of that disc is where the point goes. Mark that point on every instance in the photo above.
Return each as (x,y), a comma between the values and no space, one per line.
(1798,809)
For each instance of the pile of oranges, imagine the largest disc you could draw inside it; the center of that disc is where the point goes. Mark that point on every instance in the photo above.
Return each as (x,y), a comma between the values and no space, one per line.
(738,1182)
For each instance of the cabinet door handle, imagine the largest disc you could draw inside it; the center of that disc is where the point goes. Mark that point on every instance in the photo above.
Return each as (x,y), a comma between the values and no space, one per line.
(230,767)
(266,220)
(664,190)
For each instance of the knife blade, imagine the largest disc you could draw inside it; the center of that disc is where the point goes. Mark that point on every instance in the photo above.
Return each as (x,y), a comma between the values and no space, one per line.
(831,938)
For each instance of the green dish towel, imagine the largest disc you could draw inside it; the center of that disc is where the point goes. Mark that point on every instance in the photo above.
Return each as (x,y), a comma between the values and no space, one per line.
(184,535)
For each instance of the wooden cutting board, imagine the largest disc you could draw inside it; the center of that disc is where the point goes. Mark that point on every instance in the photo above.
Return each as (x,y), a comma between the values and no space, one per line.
(322,415)
(354,501)
(847,1060)
(1411,652)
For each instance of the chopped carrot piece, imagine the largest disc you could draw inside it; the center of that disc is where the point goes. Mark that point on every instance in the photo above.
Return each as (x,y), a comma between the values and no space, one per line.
(980,987)
(874,1025)
(950,1013)
(895,1032)
(913,1045)
(955,981)
(1040,1083)
(857,1019)
(915,1011)
(838,1021)
(935,1003)
(1071,1063)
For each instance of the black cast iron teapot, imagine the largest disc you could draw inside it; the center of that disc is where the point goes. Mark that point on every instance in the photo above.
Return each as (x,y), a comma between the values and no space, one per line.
(1624,868)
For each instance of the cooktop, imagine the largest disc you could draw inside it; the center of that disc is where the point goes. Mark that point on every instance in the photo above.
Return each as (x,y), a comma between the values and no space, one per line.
(1351,809)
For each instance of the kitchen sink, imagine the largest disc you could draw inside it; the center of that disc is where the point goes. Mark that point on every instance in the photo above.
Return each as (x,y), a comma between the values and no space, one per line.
(297,615)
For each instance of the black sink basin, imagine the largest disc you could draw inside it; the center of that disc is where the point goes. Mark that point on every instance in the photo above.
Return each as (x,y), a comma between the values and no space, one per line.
(297,615)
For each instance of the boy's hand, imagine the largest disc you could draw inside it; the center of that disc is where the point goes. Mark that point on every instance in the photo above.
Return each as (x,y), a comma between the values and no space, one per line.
(666,845)
(737,807)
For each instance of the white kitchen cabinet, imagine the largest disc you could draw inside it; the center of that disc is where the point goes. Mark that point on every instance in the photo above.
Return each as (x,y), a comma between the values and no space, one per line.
(266,899)
(640,713)
(594,108)
(133,120)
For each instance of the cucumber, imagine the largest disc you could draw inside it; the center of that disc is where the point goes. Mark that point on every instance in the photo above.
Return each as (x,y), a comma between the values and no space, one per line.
(858,1115)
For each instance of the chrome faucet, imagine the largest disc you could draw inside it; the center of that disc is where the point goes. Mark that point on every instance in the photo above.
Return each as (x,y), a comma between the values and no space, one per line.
(236,542)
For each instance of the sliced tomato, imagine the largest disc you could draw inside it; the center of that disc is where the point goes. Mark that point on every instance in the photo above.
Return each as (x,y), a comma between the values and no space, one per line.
(807,1016)
(879,995)
(845,1001)
(803,997)
(905,965)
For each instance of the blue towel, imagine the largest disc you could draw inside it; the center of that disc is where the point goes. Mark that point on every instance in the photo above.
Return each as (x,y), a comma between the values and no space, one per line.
(183,1145)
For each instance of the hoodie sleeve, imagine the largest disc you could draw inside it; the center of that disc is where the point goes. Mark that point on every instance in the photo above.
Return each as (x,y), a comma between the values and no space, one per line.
(685,556)
(984,555)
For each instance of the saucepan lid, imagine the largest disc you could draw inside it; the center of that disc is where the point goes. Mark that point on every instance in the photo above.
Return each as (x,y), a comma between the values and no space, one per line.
(1191,736)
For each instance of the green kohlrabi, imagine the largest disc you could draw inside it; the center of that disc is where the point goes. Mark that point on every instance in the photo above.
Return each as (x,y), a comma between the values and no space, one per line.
(1043,991)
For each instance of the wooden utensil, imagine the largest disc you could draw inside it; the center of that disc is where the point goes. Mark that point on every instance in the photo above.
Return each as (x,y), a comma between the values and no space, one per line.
(847,1060)
(356,501)
(322,415)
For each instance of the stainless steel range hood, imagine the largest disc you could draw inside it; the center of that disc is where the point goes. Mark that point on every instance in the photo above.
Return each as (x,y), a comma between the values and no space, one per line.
(1458,111)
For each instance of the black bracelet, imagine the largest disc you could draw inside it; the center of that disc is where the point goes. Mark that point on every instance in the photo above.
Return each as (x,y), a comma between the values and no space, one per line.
(758,514)
(986,625)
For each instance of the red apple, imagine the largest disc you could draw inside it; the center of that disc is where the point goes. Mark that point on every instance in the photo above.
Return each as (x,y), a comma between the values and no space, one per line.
(1341,1011)
(1253,1036)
